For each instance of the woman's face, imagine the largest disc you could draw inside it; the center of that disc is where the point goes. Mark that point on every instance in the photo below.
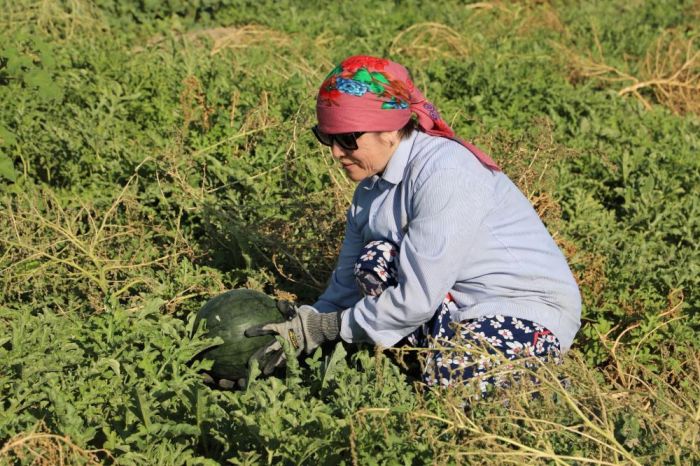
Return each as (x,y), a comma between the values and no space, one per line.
(371,156)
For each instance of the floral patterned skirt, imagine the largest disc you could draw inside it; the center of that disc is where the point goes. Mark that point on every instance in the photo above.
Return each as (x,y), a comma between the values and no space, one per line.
(464,351)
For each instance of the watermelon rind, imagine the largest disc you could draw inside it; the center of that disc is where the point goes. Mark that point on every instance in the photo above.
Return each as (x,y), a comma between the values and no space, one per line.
(227,316)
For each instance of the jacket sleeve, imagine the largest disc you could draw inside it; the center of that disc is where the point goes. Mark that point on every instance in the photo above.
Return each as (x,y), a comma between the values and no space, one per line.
(446,210)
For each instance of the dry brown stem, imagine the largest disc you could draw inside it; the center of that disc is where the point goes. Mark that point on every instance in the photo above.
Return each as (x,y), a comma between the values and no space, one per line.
(224,38)
(60,19)
(240,37)
(588,269)
(669,73)
(426,41)
(194,104)
(41,448)
(83,244)
(541,16)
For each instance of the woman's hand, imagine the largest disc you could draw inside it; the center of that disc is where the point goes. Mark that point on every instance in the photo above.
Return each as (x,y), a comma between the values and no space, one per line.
(305,329)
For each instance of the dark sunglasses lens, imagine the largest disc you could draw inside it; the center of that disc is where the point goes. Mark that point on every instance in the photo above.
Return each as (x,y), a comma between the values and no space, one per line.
(323,138)
(347,141)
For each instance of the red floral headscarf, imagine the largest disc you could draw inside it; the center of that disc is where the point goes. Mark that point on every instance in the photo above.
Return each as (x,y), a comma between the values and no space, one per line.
(366,93)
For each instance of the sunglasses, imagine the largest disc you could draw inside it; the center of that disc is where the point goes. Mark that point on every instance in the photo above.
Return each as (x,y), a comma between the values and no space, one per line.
(347,141)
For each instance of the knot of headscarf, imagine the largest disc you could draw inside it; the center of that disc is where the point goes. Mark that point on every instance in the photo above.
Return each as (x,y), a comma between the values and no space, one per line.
(365,93)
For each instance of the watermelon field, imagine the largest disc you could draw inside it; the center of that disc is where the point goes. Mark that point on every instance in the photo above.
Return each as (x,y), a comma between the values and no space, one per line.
(154,154)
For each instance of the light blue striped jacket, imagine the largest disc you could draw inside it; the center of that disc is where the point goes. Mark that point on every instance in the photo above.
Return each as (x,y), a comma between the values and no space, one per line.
(461,228)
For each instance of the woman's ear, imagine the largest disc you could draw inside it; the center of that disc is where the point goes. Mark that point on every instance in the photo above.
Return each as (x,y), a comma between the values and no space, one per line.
(391,138)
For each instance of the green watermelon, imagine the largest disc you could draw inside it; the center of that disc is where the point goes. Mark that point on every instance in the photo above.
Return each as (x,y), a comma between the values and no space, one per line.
(227,316)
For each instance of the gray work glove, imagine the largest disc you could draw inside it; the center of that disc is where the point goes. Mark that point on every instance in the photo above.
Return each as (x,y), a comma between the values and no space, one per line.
(305,330)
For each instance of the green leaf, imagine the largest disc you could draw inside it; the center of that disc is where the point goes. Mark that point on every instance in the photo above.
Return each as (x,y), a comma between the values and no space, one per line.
(46,53)
(363,76)
(6,137)
(113,364)
(7,168)
(379,77)
(338,355)
(376,88)
(16,61)
(253,372)
(144,411)
(337,70)
(42,81)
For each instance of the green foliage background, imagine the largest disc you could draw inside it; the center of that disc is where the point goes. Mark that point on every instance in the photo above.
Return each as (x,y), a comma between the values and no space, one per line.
(153,154)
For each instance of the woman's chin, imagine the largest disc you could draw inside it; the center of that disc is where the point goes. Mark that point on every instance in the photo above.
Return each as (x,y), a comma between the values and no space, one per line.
(354,173)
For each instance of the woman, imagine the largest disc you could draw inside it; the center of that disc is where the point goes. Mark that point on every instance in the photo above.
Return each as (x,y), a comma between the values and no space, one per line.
(436,234)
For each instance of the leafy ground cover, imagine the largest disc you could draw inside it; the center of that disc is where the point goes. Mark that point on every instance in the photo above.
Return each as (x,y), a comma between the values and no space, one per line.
(154,154)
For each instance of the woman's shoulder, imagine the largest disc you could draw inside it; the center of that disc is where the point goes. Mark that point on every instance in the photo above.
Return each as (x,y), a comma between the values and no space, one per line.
(433,154)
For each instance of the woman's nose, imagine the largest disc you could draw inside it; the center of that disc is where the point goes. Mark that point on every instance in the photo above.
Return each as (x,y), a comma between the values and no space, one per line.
(337,151)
